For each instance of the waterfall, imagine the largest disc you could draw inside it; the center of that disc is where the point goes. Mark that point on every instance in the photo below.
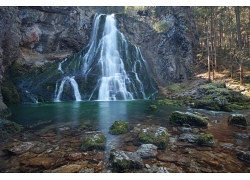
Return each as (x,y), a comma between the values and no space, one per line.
(114,76)
(73,83)
(110,68)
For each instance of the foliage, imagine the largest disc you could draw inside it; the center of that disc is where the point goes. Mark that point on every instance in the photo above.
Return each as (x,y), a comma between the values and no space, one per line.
(162,26)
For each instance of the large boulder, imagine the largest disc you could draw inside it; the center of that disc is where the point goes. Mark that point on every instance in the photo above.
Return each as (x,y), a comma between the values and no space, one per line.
(188,137)
(93,142)
(182,118)
(119,127)
(216,96)
(244,156)
(7,128)
(123,160)
(18,148)
(237,120)
(147,151)
(154,135)
(204,139)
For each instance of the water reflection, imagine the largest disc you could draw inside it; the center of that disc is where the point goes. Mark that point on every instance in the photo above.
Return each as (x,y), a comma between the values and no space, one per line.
(108,113)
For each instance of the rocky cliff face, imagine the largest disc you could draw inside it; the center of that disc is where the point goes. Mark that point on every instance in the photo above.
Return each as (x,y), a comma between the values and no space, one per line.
(166,38)
(32,37)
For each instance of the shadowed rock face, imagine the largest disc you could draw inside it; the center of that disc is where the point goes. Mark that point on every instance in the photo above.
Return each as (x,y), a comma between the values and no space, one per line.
(170,52)
(40,35)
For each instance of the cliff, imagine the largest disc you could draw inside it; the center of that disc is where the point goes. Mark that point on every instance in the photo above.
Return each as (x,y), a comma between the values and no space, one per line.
(31,38)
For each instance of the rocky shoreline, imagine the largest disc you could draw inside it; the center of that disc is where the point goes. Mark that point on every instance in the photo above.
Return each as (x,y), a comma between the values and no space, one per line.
(220,146)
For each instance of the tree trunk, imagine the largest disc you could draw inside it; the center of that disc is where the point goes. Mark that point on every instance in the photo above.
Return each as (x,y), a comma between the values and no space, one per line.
(212,39)
(230,54)
(208,58)
(239,42)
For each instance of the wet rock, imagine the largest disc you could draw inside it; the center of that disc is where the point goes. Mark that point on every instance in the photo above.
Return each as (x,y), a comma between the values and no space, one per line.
(75,156)
(181,118)
(147,151)
(129,148)
(7,128)
(168,157)
(154,135)
(162,170)
(41,161)
(119,127)
(122,160)
(242,135)
(172,157)
(237,120)
(71,168)
(244,156)
(238,142)
(64,128)
(95,141)
(18,148)
(156,169)
(188,130)
(39,148)
(188,137)
(93,156)
(227,146)
(204,139)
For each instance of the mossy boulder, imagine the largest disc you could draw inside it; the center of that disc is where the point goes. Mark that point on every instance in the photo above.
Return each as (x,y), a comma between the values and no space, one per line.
(204,139)
(215,96)
(215,104)
(237,120)
(152,107)
(119,127)
(122,161)
(182,118)
(93,142)
(9,92)
(7,128)
(154,135)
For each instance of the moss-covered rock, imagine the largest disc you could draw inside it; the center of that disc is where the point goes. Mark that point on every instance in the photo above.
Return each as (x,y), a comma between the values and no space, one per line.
(123,161)
(9,92)
(152,107)
(7,128)
(237,120)
(204,139)
(182,118)
(216,104)
(215,96)
(119,127)
(154,135)
(92,142)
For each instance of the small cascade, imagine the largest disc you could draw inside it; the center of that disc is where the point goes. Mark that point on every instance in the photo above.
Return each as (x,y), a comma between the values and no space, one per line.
(75,88)
(31,96)
(58,92)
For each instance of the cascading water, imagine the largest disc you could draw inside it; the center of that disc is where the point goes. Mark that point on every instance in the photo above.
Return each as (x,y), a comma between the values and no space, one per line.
(109,68)
(73,84)
(114,76)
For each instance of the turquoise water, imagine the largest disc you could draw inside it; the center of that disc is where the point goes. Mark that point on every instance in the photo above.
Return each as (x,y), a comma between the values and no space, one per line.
(100,114)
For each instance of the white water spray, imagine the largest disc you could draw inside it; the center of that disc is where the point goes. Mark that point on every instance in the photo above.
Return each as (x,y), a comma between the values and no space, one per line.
(114,76)
(74,86)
